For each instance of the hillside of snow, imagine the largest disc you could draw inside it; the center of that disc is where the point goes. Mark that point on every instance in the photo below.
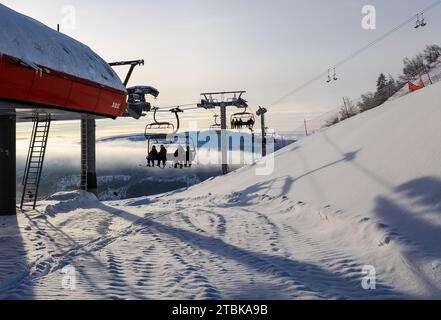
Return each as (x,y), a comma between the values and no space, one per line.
(366,192)
(35,44)
(432,77)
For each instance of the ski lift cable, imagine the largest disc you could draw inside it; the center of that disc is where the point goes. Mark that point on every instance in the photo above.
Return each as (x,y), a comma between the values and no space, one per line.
(251,109)
(183,107)
(355,54)
(179,105)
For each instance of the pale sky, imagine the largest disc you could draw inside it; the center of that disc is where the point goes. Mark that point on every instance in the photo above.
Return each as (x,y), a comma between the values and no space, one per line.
(264,47)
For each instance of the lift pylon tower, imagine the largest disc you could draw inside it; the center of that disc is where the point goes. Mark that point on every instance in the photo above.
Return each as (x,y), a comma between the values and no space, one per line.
(88,181)
(261,113)
(223,100)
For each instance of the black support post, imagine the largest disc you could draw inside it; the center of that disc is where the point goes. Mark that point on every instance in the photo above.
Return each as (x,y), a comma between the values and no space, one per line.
(88,155)
(223,110)
(263,126)
(8,183)
(261,113)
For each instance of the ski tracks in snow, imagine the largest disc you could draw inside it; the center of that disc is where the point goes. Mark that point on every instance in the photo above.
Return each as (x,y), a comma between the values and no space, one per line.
(291,263)
(185,249)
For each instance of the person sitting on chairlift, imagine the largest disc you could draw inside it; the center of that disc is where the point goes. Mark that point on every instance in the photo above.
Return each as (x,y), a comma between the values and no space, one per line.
(162,156)
(152,157)
(187,157)
(179,154)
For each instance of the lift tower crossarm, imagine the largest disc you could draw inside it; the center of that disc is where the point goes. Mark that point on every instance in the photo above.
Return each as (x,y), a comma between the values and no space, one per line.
(125,63)
(209,103)
(223,92)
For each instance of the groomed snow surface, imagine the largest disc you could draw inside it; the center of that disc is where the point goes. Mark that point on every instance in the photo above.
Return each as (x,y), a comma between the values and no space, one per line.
(36,44)
(365,192)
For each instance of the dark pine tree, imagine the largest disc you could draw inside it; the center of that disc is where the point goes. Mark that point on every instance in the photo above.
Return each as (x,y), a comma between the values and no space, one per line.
(381,82)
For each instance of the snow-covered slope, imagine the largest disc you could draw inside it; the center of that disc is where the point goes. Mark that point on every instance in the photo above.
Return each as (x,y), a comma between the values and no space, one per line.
(433,76)
(318,123)
(381,172)
(366,192)
(36,44)
(360,159)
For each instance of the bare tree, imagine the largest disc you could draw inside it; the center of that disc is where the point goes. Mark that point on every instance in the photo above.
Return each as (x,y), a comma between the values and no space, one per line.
(413,67)
(432,53)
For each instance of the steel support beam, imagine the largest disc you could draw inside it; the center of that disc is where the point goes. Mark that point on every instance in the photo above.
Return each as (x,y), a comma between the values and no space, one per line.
(223,111)
(262,124)
(8,182)
(88,155)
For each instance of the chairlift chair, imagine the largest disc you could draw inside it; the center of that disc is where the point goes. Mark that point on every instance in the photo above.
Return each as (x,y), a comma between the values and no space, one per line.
(246,119)
(335,75)
(157,130)
(423,21)
(174,143)
(157,125)
(418,22)
(166,134)
(216,126)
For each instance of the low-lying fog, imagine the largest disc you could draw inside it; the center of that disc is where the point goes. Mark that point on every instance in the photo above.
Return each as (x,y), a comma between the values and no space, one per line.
(121,165)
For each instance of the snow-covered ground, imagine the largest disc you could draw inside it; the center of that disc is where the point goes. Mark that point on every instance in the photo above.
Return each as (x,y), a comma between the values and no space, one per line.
(366,192)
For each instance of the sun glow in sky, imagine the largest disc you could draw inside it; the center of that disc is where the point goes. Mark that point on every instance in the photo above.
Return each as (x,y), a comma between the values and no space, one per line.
(265,47)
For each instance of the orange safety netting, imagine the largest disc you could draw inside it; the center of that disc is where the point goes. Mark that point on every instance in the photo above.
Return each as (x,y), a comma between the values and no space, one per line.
(415,87)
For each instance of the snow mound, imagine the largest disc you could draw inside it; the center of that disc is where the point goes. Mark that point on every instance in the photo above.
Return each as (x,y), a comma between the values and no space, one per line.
(36,44)
(70,201)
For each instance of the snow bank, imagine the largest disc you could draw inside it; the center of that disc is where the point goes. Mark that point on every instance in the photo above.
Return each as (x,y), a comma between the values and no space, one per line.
(36,44)
(70,201)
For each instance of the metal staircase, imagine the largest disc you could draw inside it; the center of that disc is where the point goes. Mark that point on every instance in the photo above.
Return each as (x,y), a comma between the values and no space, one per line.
(35,160)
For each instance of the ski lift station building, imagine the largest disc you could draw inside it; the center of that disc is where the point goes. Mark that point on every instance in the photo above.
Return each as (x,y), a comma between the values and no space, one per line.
(44,72)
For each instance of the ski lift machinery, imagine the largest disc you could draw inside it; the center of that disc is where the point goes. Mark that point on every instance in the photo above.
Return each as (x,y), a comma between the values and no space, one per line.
(136,99)
(167,134)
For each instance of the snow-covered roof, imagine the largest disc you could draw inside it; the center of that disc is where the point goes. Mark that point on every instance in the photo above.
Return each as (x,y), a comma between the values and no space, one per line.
(36,44)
